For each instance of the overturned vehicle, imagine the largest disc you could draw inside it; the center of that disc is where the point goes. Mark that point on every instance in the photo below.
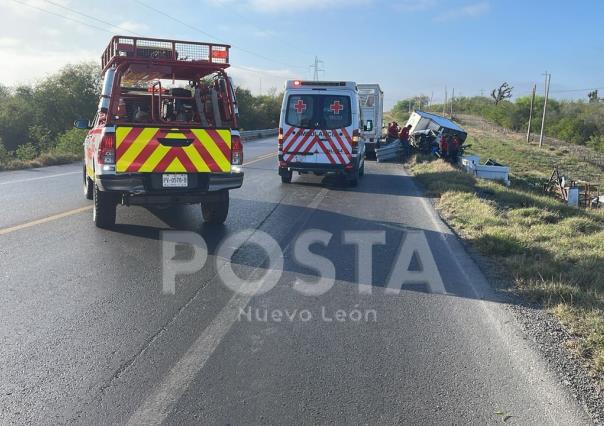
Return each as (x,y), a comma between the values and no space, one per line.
(427,129)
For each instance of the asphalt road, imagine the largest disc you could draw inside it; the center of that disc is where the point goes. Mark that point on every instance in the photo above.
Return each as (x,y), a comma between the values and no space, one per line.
(89,336)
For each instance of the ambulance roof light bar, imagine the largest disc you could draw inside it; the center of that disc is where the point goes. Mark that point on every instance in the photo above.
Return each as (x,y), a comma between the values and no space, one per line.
(296,84)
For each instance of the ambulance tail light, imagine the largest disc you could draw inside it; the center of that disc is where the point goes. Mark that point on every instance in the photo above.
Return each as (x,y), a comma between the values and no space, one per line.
(106,154)
(356,138)
(280,139)
(236,151)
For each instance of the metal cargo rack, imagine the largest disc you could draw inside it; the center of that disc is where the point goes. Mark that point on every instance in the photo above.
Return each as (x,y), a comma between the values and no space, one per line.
(140,49)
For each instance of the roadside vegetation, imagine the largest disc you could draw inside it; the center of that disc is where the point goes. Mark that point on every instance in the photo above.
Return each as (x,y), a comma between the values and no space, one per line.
(552,254)
(36,120)
(575,122)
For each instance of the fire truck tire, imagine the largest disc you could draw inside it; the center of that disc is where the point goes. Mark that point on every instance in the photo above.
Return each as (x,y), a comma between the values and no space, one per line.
(103,213)
(216,211)
(362,170)
(88,186)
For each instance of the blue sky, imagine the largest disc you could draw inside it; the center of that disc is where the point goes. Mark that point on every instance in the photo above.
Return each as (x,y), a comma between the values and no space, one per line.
(409,47)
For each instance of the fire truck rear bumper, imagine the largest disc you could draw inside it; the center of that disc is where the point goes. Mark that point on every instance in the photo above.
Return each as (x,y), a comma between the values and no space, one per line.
(150,185)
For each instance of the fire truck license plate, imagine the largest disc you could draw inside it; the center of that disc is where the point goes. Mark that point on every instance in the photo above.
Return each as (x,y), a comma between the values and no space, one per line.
(175,181)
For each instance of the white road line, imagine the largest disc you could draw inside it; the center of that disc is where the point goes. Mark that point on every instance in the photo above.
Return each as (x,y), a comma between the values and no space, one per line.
(156,408)
(39,178)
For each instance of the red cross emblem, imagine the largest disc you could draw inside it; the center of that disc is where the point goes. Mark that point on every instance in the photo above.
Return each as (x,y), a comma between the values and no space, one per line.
(300,106)
(336,107)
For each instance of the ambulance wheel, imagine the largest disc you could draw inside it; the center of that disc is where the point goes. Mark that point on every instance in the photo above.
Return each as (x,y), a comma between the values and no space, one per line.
(353,178)
(103,213)
(216,211)
(88,186)
(286,176)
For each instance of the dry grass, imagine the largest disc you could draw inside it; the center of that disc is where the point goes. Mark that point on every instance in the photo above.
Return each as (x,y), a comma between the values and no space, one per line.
(553,254)
(41,161)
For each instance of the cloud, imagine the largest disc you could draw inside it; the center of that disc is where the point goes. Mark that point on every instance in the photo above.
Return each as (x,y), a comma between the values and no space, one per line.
(414,5)
(251,78)
(472,10)
(276,6)
(134,27)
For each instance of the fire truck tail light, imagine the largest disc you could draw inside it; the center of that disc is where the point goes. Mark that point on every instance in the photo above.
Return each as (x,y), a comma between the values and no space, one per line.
(236,151)
(106,154)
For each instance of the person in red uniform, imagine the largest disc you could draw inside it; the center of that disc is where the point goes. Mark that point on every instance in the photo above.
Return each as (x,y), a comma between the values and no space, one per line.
(454,149)
(443,146)
(392,131)
(404,138)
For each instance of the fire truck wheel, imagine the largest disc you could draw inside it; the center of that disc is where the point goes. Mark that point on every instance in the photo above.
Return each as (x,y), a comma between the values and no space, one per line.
(216,211)
(362,170)
(88,186)
(103,213)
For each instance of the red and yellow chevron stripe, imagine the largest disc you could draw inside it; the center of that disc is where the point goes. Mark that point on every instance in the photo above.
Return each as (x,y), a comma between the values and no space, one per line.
(149,150)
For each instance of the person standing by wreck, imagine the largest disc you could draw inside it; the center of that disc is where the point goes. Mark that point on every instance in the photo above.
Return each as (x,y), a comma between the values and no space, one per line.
(443,146)
(404,138)
(454,149)
(392,132)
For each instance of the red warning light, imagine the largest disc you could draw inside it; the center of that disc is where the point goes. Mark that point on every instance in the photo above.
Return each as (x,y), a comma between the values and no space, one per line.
(297,83)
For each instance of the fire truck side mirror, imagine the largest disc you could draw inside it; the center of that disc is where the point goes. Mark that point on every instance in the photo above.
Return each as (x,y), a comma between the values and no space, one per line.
(82,124)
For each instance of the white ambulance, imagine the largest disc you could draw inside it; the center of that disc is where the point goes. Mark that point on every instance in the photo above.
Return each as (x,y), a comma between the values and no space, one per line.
(320,130)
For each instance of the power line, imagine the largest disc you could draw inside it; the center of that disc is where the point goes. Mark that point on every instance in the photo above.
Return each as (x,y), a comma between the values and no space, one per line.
(86,24)
(63,16)
(91,17)
(246,18)
(211,35)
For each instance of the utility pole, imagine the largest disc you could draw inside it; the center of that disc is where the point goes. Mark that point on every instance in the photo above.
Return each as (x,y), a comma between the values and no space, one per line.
(452,98)
(528,132)
(260,86)
(317,68)
(445,104)
(431,100)
(548,79)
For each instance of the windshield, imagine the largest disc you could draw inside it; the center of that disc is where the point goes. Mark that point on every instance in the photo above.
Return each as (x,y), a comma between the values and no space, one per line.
(319,111)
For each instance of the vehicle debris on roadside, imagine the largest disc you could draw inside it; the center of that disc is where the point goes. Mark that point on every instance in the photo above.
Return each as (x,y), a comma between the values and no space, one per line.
(573,193)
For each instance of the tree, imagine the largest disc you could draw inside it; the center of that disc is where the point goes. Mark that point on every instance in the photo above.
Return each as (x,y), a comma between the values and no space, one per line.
(593,97)
(503,92)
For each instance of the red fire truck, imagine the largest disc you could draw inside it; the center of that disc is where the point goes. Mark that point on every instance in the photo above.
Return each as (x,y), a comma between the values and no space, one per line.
(165,131)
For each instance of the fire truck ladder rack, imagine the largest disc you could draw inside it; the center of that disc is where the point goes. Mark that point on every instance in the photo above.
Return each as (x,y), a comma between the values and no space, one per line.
(160,51)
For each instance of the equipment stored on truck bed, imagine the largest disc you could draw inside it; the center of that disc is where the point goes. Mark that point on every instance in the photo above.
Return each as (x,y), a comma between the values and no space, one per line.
(165,131)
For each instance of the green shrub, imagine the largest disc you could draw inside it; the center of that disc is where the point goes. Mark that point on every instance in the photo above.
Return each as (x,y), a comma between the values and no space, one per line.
(5,155)
(596,142)
(26,152)
(71,142)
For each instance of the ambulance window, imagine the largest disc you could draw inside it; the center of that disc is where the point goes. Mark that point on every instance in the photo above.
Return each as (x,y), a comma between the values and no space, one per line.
(336,112)
(300,110)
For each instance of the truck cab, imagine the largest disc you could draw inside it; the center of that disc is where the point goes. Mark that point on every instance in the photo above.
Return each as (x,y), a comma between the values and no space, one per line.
(165,131)
(319,130)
